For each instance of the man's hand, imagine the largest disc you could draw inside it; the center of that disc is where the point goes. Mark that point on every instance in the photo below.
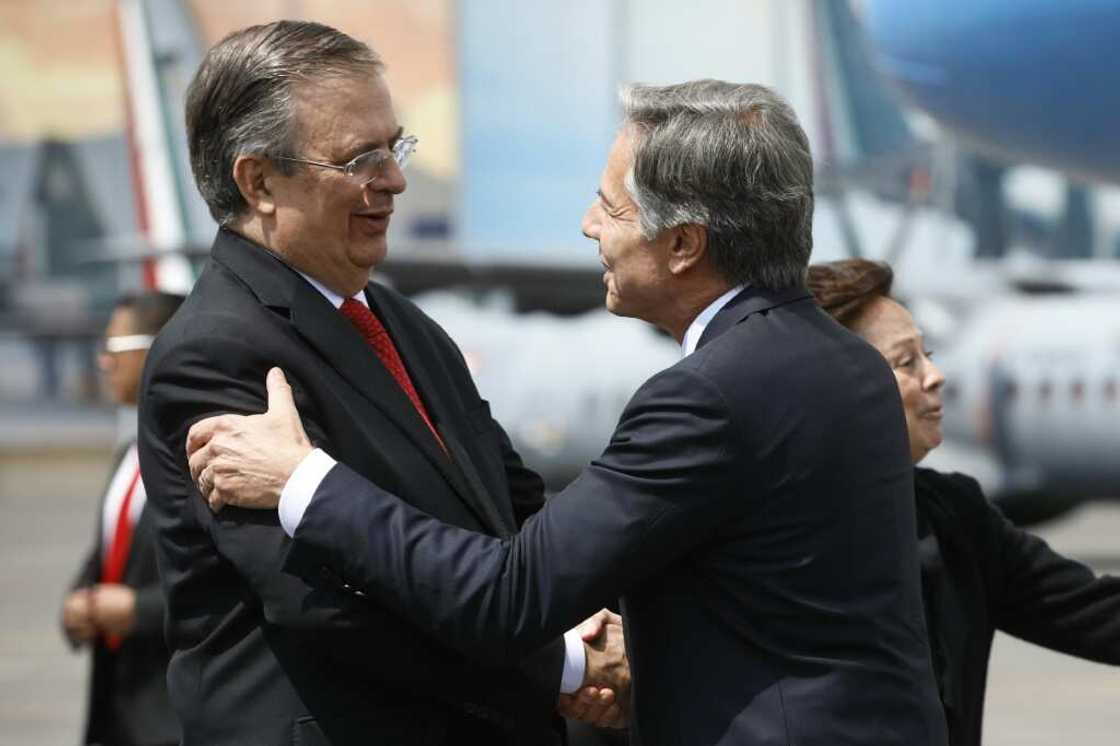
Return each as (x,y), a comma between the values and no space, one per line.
(77,618)
(113,608)
(604,699)
(246,460)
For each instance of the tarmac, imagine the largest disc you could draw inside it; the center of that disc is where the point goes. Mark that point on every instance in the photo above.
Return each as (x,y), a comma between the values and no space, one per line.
(48,498)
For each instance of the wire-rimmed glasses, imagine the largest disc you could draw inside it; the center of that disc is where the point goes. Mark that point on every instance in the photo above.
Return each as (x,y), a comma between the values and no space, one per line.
(367,166)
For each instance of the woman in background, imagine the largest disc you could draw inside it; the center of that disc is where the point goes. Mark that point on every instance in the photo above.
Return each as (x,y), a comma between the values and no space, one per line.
(979,572)
(115,605)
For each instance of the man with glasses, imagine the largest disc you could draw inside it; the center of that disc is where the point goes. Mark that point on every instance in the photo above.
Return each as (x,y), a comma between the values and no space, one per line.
(297,151)
(115,606)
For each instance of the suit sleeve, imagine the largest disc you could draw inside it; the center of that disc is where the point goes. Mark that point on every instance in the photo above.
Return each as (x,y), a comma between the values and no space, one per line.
(1048,599)
(662,487)
(526,488)
(227,376)
(150,608)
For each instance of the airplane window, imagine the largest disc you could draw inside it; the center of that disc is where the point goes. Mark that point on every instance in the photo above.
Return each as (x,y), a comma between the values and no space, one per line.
(1044,391)
(1110,390)
(1077,391)
(1010,390)
(949,392)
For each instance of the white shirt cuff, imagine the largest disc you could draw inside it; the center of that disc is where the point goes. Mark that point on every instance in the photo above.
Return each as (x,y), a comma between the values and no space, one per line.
(575,662)
(300,488)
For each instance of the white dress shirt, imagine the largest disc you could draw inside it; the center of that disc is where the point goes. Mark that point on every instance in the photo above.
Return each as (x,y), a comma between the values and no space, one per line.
(305,480)
(114,497)
(700,323)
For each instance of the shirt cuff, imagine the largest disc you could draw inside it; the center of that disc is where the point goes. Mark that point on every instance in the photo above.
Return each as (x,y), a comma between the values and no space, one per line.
(300,488)
(575,662)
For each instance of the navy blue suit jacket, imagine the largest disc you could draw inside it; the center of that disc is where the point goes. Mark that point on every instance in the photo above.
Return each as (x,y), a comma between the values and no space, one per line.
(755,511)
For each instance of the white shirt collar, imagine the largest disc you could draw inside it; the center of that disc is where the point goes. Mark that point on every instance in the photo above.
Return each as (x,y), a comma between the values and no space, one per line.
(332,296)
(700,323)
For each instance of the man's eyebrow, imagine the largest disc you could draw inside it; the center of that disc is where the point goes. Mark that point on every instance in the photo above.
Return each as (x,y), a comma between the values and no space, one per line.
(367,145)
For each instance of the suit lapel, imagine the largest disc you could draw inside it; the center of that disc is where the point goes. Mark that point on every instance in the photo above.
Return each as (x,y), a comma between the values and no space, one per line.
(500,523)
(328,332)
(443,418)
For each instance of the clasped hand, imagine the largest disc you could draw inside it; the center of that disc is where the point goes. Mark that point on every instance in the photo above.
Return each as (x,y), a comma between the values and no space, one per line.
(604,700)
(102,609)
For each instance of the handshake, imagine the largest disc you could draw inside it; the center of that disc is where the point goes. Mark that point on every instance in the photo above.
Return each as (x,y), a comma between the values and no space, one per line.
(604,699)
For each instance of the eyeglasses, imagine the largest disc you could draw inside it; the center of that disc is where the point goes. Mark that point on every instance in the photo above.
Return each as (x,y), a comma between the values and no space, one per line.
(368,166)
(127,343)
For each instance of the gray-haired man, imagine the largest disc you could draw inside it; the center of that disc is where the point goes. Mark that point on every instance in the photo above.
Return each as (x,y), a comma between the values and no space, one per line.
(295,147)
(754,506)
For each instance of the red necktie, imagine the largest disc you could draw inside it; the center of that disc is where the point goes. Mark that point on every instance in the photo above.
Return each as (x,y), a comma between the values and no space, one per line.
(112,569)
(377,336)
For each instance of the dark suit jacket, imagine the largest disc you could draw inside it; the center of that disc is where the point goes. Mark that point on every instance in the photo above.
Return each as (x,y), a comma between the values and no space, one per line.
(753,508)
(980,573)
(128,702)
(261,656)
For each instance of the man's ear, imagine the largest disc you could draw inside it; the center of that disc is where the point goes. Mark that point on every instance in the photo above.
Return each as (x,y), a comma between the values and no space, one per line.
(252,174)
(688,248)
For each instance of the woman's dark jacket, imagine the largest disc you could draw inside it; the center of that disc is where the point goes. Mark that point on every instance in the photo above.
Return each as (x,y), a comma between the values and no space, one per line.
(979,574)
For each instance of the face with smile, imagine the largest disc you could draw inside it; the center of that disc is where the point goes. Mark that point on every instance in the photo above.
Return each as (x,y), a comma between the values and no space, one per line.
(326,223)
(636,271)
(890,328)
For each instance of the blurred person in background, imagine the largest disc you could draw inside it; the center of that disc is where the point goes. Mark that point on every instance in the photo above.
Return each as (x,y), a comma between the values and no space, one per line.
(115,605)
(979,572)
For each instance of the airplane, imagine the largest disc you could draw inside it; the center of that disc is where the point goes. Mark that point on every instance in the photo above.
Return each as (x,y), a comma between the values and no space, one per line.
(1040,387)
(879,188)
(1031,402)
(1022,80)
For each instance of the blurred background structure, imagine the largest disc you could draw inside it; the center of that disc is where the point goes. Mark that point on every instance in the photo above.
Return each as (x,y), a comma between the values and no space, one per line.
(966,142)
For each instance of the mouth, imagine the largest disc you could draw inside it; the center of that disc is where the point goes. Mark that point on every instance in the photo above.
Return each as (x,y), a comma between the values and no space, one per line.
(933,414)
(374,222)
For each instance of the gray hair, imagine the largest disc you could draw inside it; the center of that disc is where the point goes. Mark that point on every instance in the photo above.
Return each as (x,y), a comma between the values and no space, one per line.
(734,159)
(241,100)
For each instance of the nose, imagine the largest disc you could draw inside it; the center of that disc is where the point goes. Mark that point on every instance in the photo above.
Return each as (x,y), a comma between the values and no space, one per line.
(391,179)
(590,223)
(934,377)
